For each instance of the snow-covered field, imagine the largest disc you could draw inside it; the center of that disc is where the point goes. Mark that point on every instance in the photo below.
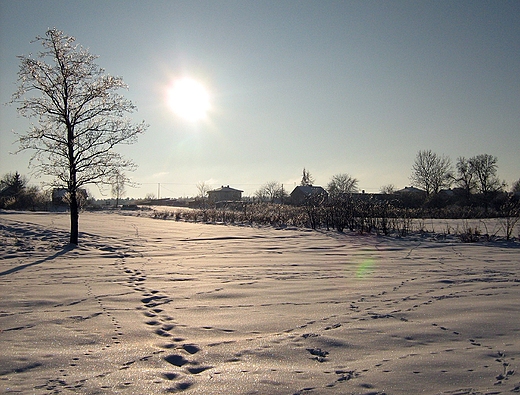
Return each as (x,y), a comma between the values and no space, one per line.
(146,306)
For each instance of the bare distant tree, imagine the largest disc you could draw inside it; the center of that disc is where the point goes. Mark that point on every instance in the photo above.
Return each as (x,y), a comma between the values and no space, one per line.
(516,186)
(271,191)
(150,196)
(485,168)
(203,189)
(431,172)
(307,179)
(118,186)
(342,184)
(80,117)
(465,177)
(387,189)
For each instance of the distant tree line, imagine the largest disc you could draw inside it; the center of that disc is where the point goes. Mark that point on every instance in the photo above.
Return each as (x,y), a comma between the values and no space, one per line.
(360,213)
(16,194)
(475,179)
(477,190)
(477,193)
(473,183)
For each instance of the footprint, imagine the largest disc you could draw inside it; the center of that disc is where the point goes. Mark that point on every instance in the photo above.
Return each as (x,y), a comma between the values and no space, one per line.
(307,335)
(191,348)
(318,352)
(335,326)
(176,360)
(198,369)
(320,355)
(160,332)
(180,387)
(167,327)
(170,376)
(346,375)
(151,301)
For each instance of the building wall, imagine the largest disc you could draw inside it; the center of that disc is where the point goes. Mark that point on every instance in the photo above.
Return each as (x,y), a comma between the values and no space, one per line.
(221,195)
(300,194)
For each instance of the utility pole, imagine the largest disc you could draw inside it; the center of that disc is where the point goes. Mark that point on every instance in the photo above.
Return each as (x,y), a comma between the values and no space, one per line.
(158,190)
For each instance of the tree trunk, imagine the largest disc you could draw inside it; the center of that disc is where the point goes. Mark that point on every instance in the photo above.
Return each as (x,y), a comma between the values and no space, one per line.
(74,218)
(72,184)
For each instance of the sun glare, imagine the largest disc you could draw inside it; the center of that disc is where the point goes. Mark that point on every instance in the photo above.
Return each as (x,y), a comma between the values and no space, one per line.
(189,99)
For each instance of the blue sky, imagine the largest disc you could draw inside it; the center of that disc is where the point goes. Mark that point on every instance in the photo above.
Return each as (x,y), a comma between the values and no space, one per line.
(354,87)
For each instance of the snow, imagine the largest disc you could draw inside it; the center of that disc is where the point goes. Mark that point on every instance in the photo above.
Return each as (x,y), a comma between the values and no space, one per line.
(147,306)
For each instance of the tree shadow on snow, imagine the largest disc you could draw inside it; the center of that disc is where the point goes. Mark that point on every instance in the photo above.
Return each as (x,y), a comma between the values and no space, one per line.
(64,250)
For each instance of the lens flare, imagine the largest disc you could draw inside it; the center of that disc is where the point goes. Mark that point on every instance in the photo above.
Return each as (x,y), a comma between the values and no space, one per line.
(365,268)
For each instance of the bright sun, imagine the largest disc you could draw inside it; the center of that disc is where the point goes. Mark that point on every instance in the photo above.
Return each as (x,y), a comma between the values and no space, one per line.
(188,99)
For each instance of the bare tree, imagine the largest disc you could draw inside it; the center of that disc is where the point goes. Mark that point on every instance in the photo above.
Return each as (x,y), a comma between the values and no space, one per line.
(516,187)
(431,172)
(118,186)
(271,191)
(387,189)
(150,196)
(203,189)
(80,117)
(307,178)
(465,177)
(485,169)
(342,184)
(340,201)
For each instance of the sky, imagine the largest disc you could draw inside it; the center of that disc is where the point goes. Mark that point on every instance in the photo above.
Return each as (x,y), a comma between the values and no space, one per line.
(355,87)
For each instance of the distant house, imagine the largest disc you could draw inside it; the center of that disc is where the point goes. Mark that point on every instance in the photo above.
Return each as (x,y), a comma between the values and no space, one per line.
(60,196)
(224,194)
(303,193)
(410,190)
(411,197)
